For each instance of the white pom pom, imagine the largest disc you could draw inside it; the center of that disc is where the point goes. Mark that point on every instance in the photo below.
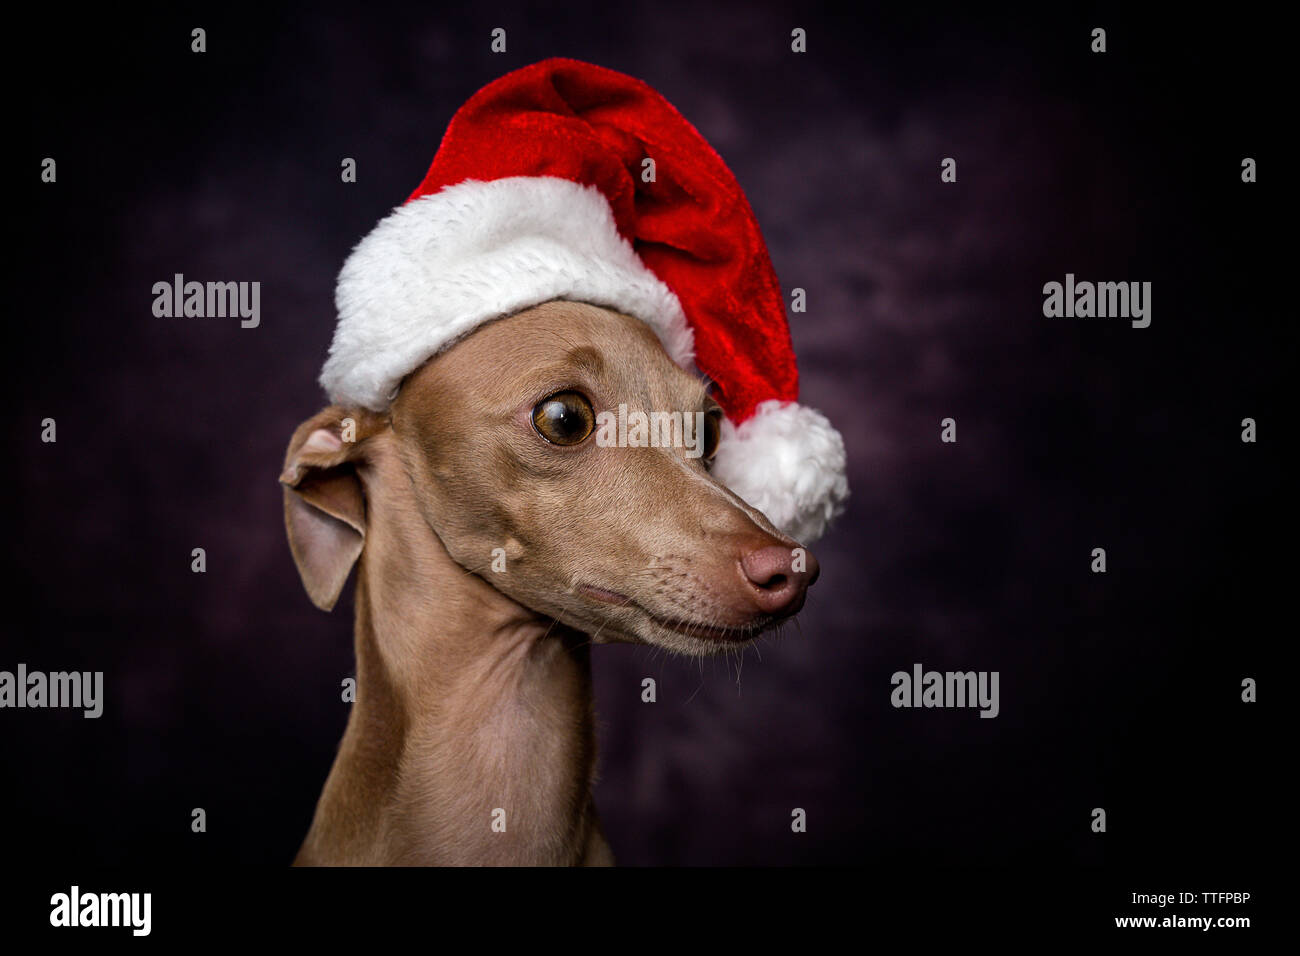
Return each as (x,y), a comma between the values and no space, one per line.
(787,461)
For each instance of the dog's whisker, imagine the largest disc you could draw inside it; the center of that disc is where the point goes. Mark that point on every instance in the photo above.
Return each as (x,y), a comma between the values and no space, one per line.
(562,338)
(549,629)
(700,687)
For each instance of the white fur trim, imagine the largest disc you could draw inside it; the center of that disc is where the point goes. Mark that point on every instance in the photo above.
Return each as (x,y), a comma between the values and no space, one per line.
(787,461)
(436,268)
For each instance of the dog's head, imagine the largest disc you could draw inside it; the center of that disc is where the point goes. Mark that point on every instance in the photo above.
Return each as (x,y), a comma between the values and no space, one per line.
(564,458)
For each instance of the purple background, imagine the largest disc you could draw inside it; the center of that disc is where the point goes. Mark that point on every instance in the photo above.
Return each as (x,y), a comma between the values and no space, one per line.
(924,301)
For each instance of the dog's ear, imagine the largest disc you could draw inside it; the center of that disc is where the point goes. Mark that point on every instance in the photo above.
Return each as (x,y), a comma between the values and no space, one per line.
(324,508)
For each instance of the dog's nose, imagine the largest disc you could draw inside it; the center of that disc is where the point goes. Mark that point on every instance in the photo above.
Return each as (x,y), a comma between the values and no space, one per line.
(780,577)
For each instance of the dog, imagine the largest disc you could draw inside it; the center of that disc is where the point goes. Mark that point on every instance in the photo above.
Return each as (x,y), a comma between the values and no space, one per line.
(495,540)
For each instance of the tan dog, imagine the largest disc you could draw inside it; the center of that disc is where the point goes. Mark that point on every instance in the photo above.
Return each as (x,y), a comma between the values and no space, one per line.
(471,740)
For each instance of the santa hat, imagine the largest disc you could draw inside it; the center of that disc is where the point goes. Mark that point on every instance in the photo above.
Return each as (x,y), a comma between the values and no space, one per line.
(539,191)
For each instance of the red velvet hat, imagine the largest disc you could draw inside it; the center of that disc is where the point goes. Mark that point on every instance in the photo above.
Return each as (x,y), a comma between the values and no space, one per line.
(539,191)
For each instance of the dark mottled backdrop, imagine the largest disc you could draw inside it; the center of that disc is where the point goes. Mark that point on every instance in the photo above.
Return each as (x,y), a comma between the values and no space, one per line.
(924,301)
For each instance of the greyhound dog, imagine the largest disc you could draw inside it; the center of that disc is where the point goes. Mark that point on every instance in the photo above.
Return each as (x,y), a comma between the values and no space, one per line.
(495,540)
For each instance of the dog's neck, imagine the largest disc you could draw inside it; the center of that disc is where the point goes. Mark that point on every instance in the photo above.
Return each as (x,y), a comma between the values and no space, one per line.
(471,739)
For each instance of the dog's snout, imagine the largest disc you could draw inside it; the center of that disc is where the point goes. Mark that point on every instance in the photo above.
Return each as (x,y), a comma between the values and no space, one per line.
(780,577)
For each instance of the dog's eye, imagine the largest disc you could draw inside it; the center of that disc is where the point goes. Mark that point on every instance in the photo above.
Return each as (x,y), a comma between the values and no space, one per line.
(565,418)
(712,433)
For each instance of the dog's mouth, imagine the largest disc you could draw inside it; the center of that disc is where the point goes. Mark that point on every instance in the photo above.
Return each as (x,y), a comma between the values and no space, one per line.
(698,630)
